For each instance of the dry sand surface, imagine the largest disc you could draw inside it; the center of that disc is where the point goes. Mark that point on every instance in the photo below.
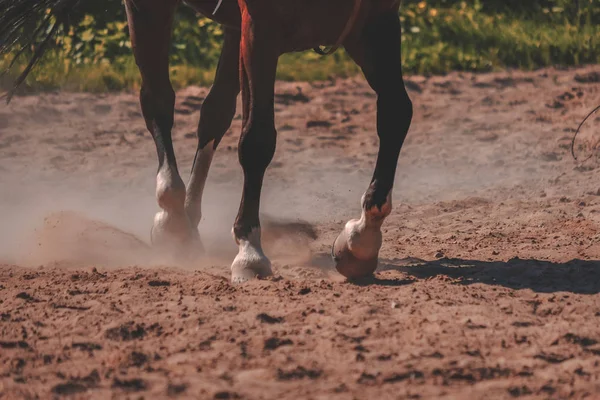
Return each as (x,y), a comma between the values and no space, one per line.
(489,278)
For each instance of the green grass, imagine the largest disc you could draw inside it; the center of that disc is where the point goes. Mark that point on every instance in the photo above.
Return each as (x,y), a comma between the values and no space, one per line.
(435,41)
(464,39)
(122,74)
(104,77)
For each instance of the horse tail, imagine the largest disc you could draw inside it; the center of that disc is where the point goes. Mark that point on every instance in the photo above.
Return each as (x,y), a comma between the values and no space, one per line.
(30,24)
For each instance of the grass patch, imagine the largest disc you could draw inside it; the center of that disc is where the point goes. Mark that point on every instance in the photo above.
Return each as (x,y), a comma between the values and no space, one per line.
(436,39)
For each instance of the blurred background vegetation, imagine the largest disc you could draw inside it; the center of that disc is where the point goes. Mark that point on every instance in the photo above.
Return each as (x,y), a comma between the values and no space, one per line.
(438,36)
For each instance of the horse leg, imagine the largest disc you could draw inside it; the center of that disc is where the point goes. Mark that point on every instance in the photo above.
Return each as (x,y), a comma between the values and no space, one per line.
(377,51)
(216,115)
(150,23)
(258,61)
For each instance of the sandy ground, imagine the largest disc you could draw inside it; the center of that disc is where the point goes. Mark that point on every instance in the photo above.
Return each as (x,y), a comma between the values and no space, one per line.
(489,278)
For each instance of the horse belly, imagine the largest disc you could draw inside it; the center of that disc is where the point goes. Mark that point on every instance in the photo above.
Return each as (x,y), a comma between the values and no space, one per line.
(228,13)
(312,25)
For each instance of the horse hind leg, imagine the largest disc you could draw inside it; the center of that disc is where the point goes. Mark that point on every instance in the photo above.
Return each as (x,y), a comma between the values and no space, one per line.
(150,23)
(377,51)
(216,115)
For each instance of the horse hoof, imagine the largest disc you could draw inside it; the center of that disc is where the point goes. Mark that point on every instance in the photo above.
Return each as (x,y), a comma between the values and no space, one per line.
(248,265)
(176,238)
(164,239)
(347,263)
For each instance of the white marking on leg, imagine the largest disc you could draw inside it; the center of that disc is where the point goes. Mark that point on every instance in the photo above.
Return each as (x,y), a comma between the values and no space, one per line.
(172,228)
(195,190)
(170,189)
(364,234)
(250,260)
(250,249)
(217,7)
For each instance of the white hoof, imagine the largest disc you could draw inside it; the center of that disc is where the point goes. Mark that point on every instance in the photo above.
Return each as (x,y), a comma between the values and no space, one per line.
(251,262)
(356,249)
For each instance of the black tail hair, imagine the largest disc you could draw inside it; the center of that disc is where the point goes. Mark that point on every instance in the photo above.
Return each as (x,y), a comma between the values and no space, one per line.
(26,24)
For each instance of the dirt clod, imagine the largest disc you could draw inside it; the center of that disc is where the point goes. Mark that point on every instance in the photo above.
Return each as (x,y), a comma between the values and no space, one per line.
(267,319)
(125,332)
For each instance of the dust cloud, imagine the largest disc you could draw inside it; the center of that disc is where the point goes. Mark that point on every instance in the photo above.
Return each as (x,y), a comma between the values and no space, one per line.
(70,218)
(95,164)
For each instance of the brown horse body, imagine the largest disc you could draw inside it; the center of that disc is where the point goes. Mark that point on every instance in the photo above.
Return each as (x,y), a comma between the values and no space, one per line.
(257,32)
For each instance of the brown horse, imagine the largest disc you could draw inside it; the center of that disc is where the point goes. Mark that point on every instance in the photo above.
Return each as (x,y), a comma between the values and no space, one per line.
(257,32)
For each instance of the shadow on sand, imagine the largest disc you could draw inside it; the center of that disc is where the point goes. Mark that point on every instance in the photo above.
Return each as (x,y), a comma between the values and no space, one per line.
(575,276)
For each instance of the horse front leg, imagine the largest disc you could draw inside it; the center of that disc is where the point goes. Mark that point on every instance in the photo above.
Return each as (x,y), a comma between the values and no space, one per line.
(150,23)
(377,51)
(258,62)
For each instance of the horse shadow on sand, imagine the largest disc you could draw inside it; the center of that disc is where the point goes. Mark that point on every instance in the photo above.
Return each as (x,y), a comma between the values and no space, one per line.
(575,276)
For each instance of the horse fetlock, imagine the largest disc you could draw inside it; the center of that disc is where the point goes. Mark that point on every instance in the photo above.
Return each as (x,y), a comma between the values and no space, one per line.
(170,190)
(374,215)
